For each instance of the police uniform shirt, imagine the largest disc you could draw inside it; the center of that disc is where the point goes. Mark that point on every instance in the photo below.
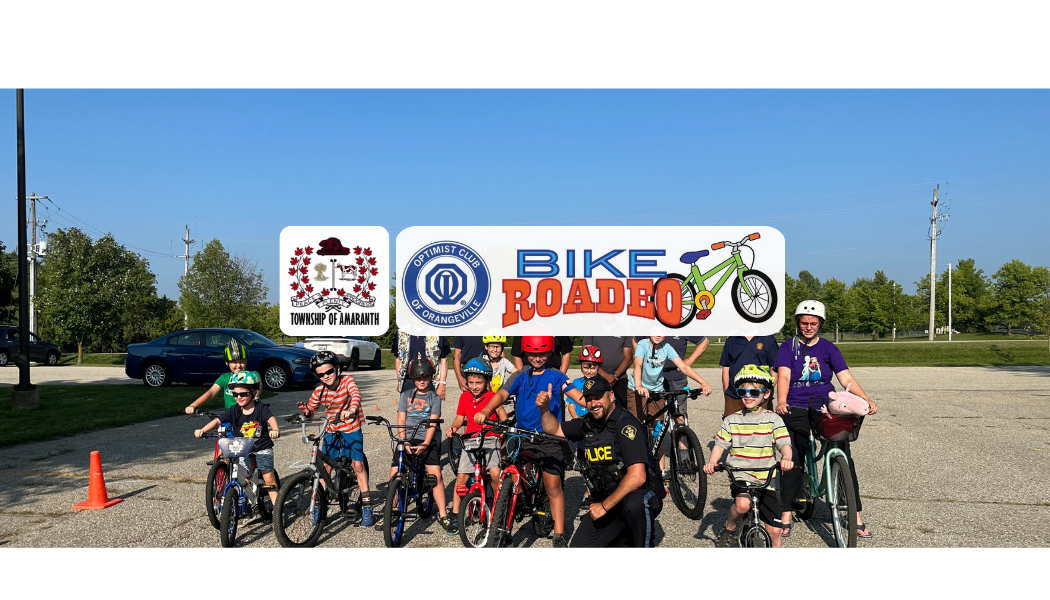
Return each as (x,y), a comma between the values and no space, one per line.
(621,437)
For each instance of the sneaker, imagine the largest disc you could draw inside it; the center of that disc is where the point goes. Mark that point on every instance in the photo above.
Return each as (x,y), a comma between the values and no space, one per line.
(367,519)
(449,527)
(559,541)
(725,538)
(317,515)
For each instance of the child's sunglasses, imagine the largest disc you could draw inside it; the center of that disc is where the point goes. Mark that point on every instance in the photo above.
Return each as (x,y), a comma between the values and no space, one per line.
(749,392)
(241,394)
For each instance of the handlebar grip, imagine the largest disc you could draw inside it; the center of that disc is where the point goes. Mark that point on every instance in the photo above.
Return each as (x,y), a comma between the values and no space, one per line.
(753,236)
(492,423)
(374,419)
(718,245)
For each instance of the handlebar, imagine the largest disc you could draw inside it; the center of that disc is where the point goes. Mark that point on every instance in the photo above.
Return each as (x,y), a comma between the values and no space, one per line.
(730,470)
(390,427)
(512,430)
(693,394)
(743,241)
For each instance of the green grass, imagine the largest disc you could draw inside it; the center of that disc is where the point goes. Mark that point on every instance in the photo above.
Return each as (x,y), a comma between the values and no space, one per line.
(70,409)
(115,359)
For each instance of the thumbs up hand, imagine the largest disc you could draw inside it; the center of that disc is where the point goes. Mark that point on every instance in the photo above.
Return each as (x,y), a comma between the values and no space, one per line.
(543,398)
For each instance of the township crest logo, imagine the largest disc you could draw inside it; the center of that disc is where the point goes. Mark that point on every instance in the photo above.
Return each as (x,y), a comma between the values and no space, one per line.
(343,276)
(446,284)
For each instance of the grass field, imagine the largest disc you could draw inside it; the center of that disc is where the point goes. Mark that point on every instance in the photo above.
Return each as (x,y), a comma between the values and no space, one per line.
(96,360)
(69,409)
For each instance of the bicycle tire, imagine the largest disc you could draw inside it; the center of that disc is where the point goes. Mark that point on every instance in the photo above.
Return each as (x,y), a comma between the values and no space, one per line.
(455,451)
(265,507)
(502,517)
(228,518)
(688,482)
(542,519)
(472,517)
(755,536)
(394,524)
(755,277)
(218,476)
(292,512)
(841,495)
(688,295)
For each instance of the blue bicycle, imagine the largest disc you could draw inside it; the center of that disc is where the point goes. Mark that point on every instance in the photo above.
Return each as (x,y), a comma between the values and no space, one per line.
(245,492)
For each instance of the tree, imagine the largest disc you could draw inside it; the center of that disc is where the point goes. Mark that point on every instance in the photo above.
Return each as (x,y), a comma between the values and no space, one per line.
(8,277)
(1015,295)
(222,290)
(836,303)
(1042,289)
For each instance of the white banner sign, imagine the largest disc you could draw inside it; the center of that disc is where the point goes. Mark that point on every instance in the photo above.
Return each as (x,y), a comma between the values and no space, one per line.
(591,280)
(335,281)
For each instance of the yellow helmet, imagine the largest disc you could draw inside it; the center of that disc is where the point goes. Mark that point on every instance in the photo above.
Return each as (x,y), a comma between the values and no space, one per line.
(494,339)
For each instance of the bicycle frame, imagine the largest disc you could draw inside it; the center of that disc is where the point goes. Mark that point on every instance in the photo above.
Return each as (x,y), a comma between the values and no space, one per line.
(670,420)
(700,279)
(828,451)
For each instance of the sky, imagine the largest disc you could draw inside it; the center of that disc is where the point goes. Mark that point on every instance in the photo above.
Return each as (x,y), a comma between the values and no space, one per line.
(846,176)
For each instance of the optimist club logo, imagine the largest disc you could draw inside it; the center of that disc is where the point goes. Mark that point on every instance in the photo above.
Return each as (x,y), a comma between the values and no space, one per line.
(446,284)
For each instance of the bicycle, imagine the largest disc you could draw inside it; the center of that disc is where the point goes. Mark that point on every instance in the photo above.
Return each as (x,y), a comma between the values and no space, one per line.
(834,482)
(245,492)
(410,483)
(754,296)
(513,484)
(688,480)
(475,512)
(218,471)
(302,505)
(753,533)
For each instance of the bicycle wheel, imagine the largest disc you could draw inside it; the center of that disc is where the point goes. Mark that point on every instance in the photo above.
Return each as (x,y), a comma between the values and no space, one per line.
(294,524)
(502,517)
(763,299)
(688,302)
(394,513)
(755,536)
(473,521)
(688,480)
(349,492)
(542,519)
(842,500)
(218,476)
(228,518)
(425,501)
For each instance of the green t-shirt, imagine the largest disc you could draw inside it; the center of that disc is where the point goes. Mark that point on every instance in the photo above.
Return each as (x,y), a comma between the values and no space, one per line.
(227,396)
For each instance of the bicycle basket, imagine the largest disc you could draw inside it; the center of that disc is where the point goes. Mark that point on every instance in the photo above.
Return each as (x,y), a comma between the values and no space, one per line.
(236,447)
(831,428)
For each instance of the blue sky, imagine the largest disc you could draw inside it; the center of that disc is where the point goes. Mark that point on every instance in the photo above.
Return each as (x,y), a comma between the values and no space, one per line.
(847,176)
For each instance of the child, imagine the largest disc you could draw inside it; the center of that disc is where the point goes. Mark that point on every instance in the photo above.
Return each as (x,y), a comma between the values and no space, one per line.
(417,404)
(339,396)
(501,367)
(590,363)
(750,435)
(550,456)
(477,373)
(247,416)
(237,361)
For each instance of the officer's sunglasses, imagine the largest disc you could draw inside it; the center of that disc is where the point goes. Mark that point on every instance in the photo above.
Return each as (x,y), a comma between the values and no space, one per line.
(749,392)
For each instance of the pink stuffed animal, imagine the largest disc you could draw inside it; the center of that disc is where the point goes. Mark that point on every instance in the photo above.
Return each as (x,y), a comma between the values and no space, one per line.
(845,403)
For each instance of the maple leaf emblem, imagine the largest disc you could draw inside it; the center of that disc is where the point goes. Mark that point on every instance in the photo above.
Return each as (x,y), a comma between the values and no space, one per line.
(368,252)
(306,261)
(298,251)
(371,286)
(374,271)
(357,287)
(361,279)
(309,250)
(306,280)
(300,294)
(360,261)
(365,295)
(324,292)
(310,288)
(292,271)
(341,292)
(303,270)
(294,261)
(295,285)
(357,249)
(372,261)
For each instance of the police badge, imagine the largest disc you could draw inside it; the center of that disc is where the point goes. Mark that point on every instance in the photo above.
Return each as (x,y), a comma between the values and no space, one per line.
(629,431)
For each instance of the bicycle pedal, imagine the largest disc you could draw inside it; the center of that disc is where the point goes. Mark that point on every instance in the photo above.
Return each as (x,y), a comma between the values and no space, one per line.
(703,314)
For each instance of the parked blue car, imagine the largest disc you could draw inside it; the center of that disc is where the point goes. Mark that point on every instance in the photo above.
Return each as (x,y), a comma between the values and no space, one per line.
(197,356)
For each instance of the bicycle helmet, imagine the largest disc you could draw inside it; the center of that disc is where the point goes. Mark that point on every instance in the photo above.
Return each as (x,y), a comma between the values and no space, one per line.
(813,308)
(248,379)
(324,357)
(591,354)
(494,339)
(754,374)
(477,366)
(235,351)
(537,344)
(420,367)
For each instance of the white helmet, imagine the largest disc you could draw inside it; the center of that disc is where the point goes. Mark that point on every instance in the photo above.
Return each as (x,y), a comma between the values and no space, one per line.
(811,307)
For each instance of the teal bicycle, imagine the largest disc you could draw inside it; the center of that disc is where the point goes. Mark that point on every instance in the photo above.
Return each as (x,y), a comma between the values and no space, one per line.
(834,483)
(754,296)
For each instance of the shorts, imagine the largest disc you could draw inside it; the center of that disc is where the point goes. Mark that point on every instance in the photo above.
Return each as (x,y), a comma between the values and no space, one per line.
(768,505)
(431,456)
(550,456)
(263,460)
(642,408)
(339,444)
(466,462)
(674,385)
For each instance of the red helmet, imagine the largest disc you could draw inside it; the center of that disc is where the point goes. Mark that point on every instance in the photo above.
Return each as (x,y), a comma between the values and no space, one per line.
(536,344)
(591,354)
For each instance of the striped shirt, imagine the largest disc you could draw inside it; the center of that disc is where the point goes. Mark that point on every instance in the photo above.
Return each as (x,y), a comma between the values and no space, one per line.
(345,397)
(750,439)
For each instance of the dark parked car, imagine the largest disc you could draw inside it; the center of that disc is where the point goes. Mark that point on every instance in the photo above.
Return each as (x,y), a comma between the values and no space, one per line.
(39,350)
(196,356)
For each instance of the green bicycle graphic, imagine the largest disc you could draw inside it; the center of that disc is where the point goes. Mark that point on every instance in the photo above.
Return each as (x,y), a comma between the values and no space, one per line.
(754,296)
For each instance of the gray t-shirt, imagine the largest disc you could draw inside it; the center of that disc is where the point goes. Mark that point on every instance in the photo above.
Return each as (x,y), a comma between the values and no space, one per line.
(419,406)
(679,343)
(612,350)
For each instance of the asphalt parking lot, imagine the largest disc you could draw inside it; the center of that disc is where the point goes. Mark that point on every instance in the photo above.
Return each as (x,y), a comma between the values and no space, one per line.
(954,458)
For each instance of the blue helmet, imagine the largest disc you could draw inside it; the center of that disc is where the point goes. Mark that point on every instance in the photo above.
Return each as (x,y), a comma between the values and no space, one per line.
(476,366)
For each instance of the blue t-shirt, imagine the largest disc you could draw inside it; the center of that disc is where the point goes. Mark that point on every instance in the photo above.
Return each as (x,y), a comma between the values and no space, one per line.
(652,364)
(812,368)
(739,351)
(578,384)
(526,387)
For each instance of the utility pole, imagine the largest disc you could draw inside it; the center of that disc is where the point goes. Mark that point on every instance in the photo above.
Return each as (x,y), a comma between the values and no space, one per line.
(34,251)
(935,230)
(186,271)
(24,395)
(949,302)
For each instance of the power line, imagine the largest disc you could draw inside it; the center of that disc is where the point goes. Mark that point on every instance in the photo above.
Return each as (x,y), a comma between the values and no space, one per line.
(75,221)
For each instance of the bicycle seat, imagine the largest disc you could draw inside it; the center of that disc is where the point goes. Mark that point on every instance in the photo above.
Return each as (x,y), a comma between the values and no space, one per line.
(691,257)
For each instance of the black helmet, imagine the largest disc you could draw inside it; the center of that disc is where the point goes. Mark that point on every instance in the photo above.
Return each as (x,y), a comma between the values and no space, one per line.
(420,367)
(324,357)
(235,351)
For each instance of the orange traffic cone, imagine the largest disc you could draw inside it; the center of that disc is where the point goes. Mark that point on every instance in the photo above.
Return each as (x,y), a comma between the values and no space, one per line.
(97,498)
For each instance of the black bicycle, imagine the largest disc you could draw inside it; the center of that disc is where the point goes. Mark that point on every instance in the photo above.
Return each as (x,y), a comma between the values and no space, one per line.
(410,484)
(302,503)
(752,533)
(688,480)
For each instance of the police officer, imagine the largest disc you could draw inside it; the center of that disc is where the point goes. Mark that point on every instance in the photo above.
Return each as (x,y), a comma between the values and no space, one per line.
(626,490)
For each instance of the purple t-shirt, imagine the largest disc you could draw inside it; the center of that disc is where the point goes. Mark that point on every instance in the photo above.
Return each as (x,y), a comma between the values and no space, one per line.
(812,368)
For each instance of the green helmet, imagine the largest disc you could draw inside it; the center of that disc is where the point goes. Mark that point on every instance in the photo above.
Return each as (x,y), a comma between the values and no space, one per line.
(754,374)
(235,351)
(248,379)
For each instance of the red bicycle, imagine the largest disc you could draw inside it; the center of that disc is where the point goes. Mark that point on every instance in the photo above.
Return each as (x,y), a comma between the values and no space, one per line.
(218,472)
(475,514)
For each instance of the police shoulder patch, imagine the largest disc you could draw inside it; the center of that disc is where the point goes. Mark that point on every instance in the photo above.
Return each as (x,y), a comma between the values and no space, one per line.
(630,431)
